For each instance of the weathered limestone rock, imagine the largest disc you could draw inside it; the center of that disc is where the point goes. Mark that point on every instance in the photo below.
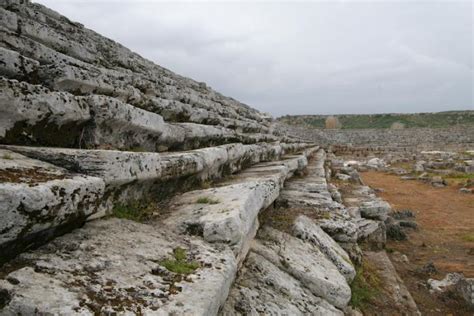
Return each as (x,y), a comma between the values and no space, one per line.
(120,167)
(81,61)
(442,285)
(420,166)
(225,215)
(393,285)
(466,190)
(371,233)
(305,229)
(343,177)
(16,66)
(312,190)
(376,163)
(335,194)
(340,228)
(465,287)
(262,288)
(305,263)
(71,264)
(375,209)
(116,266)
(438,182)
(35,115)
(121,126)
(39,201)
(31,114)
(178,111)
(228,214)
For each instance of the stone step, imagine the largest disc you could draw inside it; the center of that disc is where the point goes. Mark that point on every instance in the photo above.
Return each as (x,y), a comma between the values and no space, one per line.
(119,266)
(90,183)
(122,167)
(312,193)
(165,266)
(264,289)
(306,229)
(34,115)
(307,216)
(368,211)
(302,258)
(393,287)
(235,204)
(70,57)
(39,200)
(304,262)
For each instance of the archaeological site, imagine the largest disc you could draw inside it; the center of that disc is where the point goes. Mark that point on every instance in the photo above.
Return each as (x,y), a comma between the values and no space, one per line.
(127,189)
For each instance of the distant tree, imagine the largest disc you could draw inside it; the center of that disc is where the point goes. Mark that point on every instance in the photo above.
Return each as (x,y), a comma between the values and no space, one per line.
(332,122)
(397,125)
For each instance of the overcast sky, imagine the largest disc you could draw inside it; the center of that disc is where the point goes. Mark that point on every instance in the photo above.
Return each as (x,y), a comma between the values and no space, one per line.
(319,57)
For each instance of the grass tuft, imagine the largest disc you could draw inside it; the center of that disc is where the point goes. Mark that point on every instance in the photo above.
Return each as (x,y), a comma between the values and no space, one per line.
(138,149)
(132,211)
(206,184)
(7,156)
(180,264)
(469,237)
(460,175)
(365,286)
(207,200)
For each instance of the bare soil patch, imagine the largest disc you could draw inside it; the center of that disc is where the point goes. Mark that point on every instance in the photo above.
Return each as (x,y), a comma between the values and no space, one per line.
(445,220)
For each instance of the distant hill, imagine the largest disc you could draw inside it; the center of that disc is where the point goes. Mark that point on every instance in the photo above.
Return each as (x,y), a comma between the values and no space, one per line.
(390,120)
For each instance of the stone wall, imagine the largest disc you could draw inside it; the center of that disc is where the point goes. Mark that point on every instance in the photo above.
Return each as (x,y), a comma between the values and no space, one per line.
(381,141)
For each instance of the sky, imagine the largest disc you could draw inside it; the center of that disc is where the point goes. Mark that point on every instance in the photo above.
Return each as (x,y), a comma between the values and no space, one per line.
(303,57)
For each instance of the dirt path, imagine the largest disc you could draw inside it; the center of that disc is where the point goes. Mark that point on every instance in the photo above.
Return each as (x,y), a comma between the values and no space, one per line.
(445,236)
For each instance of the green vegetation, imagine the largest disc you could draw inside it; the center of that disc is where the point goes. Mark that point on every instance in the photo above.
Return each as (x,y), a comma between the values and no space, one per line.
(180,264)
(365,286)
(133,211)
(206,184)
(207,200)
(460,175)
(469,237)
(458,178)
(138,149)
(7,156)
(360,121)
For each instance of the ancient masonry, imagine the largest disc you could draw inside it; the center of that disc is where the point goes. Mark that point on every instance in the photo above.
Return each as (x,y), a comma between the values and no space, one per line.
(125,188)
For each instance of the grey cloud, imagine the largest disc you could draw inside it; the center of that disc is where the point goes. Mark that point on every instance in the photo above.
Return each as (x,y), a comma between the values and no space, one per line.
(303,57)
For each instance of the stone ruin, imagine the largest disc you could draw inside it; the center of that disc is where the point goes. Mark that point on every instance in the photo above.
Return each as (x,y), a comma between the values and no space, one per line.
(128,189)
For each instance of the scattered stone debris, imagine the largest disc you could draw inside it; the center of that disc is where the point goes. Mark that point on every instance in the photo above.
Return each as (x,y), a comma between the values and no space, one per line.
(438,182)
(442,285)
(428,269)
(454,283)
(466,190)
(403,214)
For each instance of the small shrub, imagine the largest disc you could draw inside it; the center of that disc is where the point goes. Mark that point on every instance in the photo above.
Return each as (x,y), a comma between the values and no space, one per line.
(395,232)
(180,264)
(207,200)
